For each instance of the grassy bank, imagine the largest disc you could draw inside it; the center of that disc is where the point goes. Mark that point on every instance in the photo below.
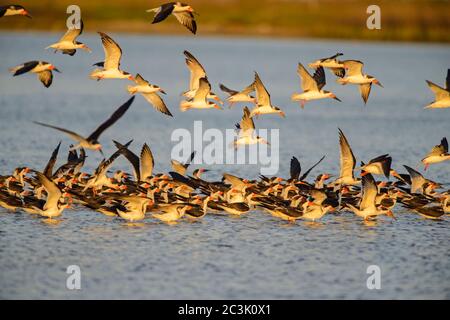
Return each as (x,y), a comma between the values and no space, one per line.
(401,20)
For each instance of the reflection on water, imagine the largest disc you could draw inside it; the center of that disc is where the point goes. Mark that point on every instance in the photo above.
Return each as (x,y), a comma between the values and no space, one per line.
(253,256)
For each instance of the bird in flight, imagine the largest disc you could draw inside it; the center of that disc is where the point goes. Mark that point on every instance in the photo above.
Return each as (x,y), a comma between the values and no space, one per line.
(68,44)
(111,65)
(42,68)
(246,133)
(442,95)
(150,93)
(354,75)
(183,12)
(438,154)
(264,105)
(312,86)
(13,10)
(91,142)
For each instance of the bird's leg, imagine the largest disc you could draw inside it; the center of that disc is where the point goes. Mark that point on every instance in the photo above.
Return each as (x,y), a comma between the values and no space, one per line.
(426,167)
(302,103)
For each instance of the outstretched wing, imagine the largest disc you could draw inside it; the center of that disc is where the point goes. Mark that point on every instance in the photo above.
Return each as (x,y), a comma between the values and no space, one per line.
(114,117)
(48,171)
(369,192)
(53,192)
(147,162)
(72,34)
(354,67)
(262,95)
(113,52)
(23,68)
(131,157)
(246,125)
(227,90)
(303,177)
(140,80)
(46,77)
(204,88)
(196,69)
(308,83)
(440,93)
(295,168)
(319,77)
(347,159)
(163,12)
(364,89)
(75,136)
(187,20)
(157,102)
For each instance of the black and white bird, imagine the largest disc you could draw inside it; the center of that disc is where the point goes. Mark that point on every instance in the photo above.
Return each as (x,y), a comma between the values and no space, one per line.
(442,95)
(438,154)
(264,104)
(332,63)
(235,96)
(312,86)
(43,70)
(150,93)
(91,142)
(13,10)
(246,129)
(197,72)
(183,12)
(68,44)
(354,75)
(111,65)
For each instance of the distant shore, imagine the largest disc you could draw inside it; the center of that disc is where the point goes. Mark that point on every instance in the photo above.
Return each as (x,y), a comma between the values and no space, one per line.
(414,20)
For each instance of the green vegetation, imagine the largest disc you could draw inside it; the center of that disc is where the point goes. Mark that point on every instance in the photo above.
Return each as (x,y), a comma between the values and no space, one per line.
(401,20)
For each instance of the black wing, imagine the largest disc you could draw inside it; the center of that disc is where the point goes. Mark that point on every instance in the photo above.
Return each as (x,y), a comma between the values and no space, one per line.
(295,168)
(303,177)
(72,157)
(132,157)
(48,171)
(444,144)
(114,117)
(319,77)
(447,80)
(166,10)
(3,10)
(188,162)
(27,66)
(227,90)
(99,64)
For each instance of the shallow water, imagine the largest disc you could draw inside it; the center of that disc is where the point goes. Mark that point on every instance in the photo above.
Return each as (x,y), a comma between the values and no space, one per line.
(255,256)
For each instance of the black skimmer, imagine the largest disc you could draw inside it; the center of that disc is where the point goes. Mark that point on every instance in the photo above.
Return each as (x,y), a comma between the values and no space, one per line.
(442,96)
(438,154)
(312,86)
(354,75)
(332,63)
(13,10)
(347,163)
(91,142)
(183,12)
(68,44)
(264,105)
(53,206)
(200,98)
(239,96)
(315,211)
(367,208)
(379,165)
(418,181)
(143,165)
(43,70)
(111,65)
(197,72)
(246,135)
(149,92)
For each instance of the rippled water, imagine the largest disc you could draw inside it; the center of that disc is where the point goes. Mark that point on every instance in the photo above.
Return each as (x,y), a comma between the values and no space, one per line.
(255,256)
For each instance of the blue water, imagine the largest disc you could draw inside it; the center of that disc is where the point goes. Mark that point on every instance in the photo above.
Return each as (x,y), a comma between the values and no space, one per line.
(255,256)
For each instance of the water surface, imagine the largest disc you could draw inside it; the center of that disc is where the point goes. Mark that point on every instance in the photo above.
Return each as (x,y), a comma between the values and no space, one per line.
(255,256)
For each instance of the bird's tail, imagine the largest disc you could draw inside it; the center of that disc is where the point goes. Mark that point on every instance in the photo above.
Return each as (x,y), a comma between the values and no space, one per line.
(131,89)
(93,75)
(185,105)
(152,10)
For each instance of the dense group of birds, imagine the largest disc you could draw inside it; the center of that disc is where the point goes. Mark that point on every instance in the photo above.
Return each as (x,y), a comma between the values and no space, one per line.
(179,194)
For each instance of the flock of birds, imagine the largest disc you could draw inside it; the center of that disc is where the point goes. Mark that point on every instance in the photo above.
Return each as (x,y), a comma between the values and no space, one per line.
(170,197)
